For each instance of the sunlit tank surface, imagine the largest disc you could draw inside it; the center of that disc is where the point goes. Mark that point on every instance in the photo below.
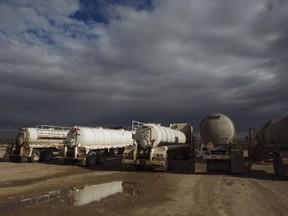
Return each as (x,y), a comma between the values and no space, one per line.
(218,129)
(275,131)
(149,135)
(86,136)
(93,193)
(41,134)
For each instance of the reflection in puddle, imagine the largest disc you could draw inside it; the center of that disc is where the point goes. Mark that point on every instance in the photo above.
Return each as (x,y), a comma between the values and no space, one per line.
(89,194)
(79,196)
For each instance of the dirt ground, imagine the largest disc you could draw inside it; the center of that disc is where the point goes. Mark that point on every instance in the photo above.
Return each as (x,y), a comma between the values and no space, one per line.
(58,189)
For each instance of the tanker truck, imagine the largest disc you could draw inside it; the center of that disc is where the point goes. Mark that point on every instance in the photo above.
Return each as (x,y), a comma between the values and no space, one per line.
(271,140)
(217,132)
(155,146)
(37,144)
(90,146)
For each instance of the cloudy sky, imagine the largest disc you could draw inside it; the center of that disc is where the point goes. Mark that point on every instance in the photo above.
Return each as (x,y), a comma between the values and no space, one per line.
(108,62)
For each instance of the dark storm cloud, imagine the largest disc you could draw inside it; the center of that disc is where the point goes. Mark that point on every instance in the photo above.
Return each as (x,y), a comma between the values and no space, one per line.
(111,62)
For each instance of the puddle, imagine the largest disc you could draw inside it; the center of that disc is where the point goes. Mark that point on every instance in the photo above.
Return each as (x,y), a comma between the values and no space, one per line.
(76,196)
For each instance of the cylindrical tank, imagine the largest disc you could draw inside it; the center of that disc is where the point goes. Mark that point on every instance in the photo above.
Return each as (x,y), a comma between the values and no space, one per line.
(41,134)
(275,131)
(218,129)
(93,193)
(102,138)
(149,135)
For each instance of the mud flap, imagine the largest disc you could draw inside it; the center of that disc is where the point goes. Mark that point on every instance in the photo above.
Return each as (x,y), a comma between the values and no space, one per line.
(200,165)
(237,162)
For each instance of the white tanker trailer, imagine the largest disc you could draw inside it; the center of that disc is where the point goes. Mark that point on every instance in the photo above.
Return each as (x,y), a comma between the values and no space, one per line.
(89,146)
(37,144)
(155,145)
(271,140)
(217,132)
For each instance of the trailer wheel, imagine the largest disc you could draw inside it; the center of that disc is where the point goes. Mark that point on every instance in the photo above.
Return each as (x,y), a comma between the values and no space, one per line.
(47,155)
(101,157)
(36,156)
(275,164)
(91,159)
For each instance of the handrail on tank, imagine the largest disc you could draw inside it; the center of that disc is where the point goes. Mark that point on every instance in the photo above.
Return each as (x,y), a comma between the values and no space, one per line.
(52,127)
(136,125)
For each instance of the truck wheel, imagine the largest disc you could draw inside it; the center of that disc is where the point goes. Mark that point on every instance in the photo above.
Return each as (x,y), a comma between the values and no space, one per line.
(36,156)
(47,155)
(275,164)
(101,158)
(91,159)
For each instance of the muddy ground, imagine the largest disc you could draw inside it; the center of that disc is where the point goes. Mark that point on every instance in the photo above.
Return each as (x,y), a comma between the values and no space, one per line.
(58,189)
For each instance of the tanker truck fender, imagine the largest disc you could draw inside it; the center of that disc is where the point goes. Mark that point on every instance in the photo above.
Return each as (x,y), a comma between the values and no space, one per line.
(200,164)
(237,162)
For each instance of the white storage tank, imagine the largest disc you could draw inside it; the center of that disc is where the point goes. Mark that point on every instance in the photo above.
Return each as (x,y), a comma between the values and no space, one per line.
(41,134)
(149,135)
(218,129)
(98,137)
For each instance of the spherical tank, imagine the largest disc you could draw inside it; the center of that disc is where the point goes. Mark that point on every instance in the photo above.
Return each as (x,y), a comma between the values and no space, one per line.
(275,131)
(218,129)
(102,138)
(153,134)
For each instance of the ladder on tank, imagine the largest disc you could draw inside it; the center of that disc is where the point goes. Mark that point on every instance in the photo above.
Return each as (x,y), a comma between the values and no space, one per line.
(135,126)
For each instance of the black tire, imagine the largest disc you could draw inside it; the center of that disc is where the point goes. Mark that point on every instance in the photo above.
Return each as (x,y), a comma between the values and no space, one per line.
(36,156)
(275,164)
(47,155)
(101,157)
(91,159)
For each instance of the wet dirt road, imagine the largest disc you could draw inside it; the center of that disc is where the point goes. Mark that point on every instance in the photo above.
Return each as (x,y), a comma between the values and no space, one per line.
(58,189)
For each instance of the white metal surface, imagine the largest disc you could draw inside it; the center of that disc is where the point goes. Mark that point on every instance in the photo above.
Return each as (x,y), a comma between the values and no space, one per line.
(95,192)
(218,129)
(98,137)
(155,135)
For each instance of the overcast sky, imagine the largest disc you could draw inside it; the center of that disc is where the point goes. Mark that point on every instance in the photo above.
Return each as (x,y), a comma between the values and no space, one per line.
(108,62)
